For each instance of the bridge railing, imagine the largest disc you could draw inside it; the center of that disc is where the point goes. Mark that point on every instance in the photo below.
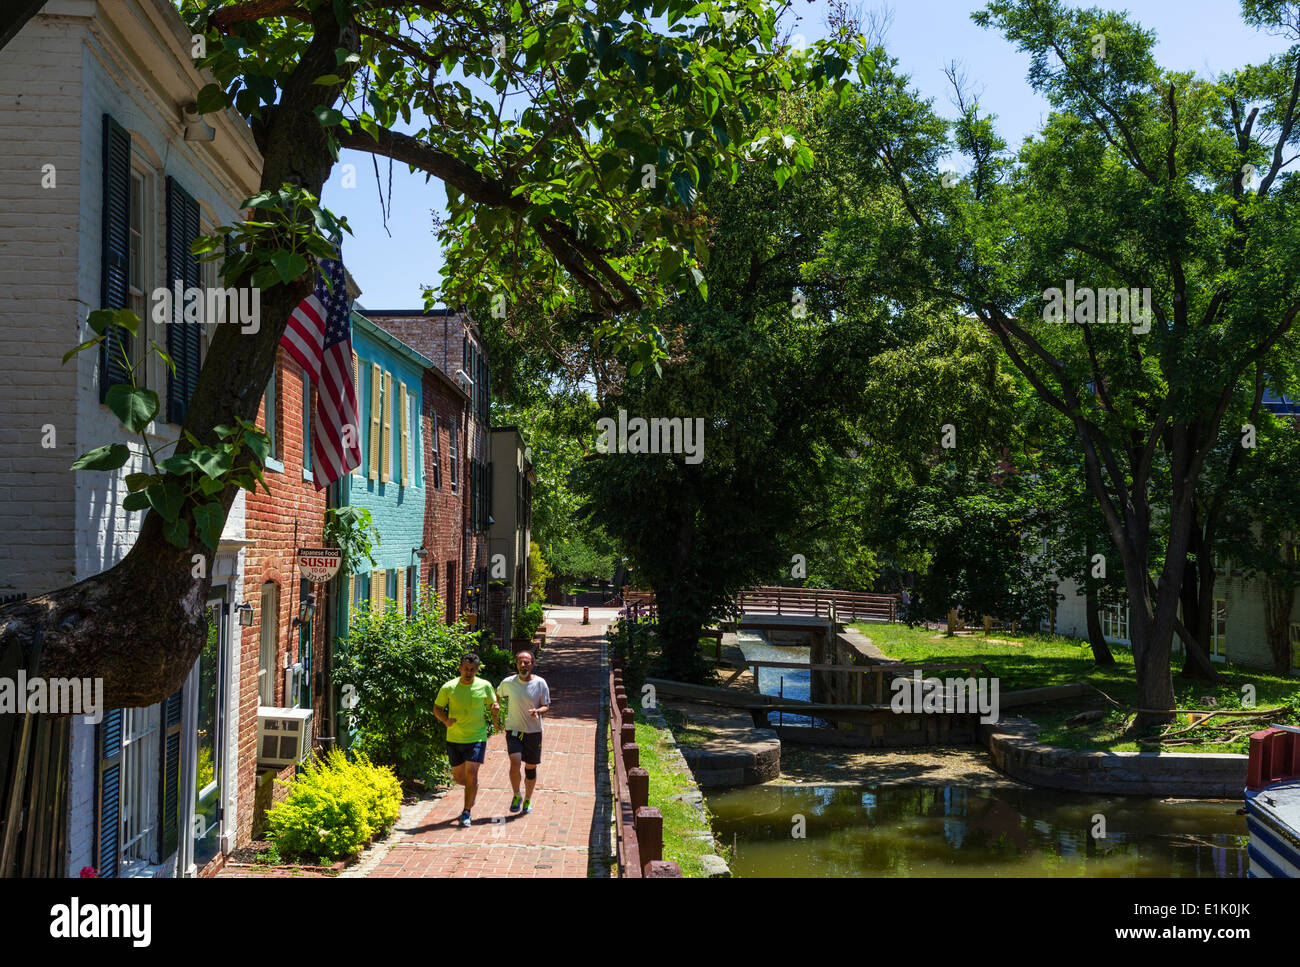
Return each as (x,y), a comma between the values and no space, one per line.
(846,605)
(639,826)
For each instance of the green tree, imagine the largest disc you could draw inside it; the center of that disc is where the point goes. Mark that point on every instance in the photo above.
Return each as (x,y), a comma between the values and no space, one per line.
(1141,178)
(551,207)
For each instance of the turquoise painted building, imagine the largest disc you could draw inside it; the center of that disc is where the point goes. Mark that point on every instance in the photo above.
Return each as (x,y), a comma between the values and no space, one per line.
(390,481)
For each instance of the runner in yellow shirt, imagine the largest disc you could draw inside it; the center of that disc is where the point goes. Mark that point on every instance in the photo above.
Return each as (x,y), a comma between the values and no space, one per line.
(462,705)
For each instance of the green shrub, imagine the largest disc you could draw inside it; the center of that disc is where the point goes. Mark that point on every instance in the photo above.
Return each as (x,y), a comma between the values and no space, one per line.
(397,665)
(527,620)
(335,807)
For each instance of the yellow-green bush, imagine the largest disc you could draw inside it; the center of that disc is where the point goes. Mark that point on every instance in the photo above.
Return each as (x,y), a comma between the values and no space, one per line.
(335,807)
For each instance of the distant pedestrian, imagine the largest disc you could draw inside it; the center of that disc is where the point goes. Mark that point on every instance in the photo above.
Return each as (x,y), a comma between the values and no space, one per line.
(905,606)
(462,705)
(528,698)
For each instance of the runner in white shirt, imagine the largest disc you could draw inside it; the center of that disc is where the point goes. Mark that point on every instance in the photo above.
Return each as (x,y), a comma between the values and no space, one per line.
(529,698)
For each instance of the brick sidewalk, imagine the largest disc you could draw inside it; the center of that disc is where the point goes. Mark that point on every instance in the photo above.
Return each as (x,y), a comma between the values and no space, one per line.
(552,840)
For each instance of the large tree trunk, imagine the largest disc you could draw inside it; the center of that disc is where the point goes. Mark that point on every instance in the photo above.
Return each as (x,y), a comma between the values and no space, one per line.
(140,625)
(1100,650)
(1279,596)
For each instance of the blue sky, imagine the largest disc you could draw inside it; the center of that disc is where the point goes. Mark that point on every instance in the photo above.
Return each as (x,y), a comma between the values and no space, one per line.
(1205,36)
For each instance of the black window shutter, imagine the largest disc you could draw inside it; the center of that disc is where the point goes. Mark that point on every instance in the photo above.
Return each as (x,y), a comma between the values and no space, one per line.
(115,278)
(108,843)
(184,340)
(169,794)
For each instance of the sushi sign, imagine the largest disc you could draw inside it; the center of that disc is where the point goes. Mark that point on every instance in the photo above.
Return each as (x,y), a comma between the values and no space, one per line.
(319,564)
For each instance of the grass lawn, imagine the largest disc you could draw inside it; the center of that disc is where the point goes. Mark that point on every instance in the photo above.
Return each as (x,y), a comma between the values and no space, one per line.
(1032,660)
(685,731)
(680,818)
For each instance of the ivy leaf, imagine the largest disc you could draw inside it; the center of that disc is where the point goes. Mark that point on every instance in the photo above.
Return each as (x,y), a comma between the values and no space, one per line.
(211,98)
(328,116)
(167,498)
(211,462)
(288,265)
(85,345)
(138,481)
(210,486)
(108,457)
(136,501)
(177,532)
(259,443)
(135,406)
(209,519)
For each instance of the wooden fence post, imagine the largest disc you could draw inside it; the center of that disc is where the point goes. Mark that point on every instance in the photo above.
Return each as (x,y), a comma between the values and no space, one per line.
(650,834)
(638,788)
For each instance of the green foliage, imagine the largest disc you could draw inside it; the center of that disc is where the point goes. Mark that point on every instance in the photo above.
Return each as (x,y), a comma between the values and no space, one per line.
(352,530)
(397,665)
(497,663)
(527,620)
(279,244)
(559,183)
(184,488)
(334,807)
(538,573)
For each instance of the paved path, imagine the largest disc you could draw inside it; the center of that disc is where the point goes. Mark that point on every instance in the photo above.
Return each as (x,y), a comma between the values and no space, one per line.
(552,840)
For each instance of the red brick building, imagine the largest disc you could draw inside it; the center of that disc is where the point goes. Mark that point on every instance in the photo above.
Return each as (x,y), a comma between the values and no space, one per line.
(461,401)
(278,659)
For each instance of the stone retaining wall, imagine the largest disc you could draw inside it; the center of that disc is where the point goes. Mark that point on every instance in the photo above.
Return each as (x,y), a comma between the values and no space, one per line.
(1015,751)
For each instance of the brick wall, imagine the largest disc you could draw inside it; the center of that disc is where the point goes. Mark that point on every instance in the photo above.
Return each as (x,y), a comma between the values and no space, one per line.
(270,522)
(444,514)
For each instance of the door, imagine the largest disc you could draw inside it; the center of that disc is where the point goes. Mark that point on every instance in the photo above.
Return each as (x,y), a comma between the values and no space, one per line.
(1219,630)
(208,683)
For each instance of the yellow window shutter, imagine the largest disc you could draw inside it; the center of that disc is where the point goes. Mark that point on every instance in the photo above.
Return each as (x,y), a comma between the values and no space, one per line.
(378,585)
(406,436)
(386,440)
(375,387)
(401,588)
(356,379)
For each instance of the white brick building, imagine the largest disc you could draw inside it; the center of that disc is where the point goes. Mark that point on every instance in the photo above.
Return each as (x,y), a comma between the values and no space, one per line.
(91,98)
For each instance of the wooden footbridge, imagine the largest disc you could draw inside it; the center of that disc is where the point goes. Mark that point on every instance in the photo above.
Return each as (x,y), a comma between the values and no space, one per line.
(811,602)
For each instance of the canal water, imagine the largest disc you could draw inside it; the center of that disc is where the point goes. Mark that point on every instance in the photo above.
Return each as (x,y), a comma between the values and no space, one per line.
(788,682)
(852,831)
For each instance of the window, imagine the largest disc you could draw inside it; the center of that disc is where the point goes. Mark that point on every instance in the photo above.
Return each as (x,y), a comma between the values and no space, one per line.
(270,634)
(307,412)
(1114,621)
(270,411)
(142,279)
(412,588)
(413,421)
(1219,629)
(451,454)
(437,454)
(208,274)
(140,758)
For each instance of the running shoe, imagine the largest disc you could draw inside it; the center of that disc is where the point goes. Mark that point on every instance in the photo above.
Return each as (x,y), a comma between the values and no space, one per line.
(528,805)
(465,820)
(514,804)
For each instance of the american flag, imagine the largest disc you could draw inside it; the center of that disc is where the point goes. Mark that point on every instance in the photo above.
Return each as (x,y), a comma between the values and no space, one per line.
(319,337)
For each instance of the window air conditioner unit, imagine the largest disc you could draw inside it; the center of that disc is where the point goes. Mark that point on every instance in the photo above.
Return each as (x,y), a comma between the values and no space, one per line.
(283,736)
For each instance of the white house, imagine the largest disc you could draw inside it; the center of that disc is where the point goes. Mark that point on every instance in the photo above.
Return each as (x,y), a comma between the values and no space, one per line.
(103,187)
